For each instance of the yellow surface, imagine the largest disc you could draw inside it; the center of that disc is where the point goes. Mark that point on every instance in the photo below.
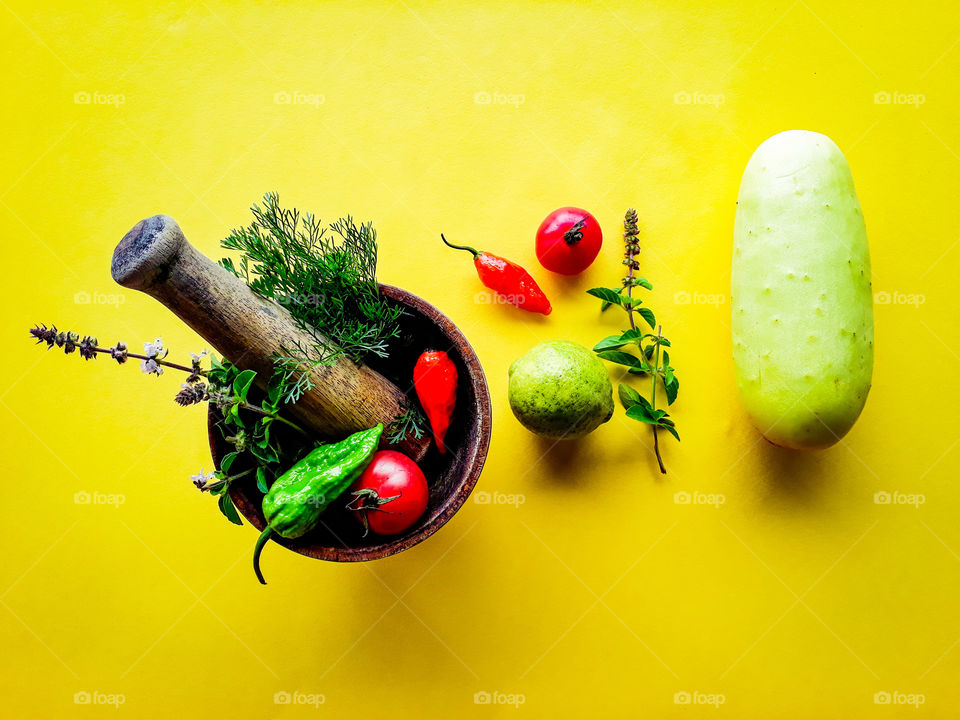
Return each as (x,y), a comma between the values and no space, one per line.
(799,596)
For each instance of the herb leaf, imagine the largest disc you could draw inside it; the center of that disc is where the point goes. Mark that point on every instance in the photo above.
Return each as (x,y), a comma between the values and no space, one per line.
(647,314)
(242,383)
(622,358)
(671,385)
(609,297)
(628,396)
(225,503)
(262,479)
(642,413)
(227,462)
(669,428)
(612,342)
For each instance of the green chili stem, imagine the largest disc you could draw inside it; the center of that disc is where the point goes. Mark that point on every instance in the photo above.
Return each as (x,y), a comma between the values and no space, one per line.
(257,549)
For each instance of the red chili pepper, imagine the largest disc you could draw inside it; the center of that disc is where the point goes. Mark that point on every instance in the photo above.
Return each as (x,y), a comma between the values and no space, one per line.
(508,280)
(435,380)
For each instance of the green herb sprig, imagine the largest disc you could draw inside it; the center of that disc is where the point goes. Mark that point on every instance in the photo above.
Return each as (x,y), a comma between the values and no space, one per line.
(325,277)
(653,358)
(244,424)
(410,422)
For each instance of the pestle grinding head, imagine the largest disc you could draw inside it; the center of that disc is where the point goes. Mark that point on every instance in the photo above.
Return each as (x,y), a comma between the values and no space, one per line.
(146,252)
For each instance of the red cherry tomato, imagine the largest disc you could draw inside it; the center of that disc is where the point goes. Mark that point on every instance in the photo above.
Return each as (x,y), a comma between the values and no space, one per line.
(568,240)
(391,494)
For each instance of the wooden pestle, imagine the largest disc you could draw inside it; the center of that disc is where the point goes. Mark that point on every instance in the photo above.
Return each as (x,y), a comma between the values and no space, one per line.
(249,330)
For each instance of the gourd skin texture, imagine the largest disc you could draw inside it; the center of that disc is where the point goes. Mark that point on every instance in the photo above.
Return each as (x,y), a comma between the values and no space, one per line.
(801,299)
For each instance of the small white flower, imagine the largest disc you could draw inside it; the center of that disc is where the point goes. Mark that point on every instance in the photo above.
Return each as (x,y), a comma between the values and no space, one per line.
(202,353)
(201,479)
(150,366)
(155,349)
(202,476)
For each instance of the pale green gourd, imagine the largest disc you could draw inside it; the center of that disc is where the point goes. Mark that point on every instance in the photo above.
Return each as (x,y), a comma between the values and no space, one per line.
(801,298)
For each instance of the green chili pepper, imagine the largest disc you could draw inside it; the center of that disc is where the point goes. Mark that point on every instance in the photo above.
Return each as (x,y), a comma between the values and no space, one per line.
(295,501)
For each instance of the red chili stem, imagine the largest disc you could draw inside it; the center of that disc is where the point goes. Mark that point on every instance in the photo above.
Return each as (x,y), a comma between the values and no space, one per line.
(460,247)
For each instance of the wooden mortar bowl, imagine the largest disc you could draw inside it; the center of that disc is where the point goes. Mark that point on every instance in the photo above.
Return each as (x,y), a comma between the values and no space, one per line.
(451,477)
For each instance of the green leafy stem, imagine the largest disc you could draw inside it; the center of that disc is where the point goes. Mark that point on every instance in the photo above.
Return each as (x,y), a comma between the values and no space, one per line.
(652,359)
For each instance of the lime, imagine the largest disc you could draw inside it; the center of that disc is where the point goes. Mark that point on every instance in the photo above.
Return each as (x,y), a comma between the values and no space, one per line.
(560,389)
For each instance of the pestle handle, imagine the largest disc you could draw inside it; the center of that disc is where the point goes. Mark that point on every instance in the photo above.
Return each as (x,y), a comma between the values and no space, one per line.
(249,330)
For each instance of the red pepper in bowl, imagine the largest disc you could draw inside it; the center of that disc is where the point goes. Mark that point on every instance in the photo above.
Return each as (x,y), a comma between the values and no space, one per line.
(435,380)
(508,280)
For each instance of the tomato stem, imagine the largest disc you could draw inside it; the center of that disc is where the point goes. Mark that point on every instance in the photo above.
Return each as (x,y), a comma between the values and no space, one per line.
(360,505)
(574,234)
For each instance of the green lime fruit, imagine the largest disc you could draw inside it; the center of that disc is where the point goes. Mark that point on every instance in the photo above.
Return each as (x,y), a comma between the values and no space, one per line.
(561,390)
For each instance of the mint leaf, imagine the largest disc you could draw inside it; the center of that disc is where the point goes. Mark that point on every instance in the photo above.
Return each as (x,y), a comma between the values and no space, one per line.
(228,509)
(609,297)
(671,385)
(242,383)
(641,413)
(646,404)
(264,455)
(621,358)
(628,396)
(612,342)
(669,428)
(261,479)
(227,462)
(647,314)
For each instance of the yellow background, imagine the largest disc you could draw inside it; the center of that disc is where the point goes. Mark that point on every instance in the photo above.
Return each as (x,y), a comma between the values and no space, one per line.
(799,596)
